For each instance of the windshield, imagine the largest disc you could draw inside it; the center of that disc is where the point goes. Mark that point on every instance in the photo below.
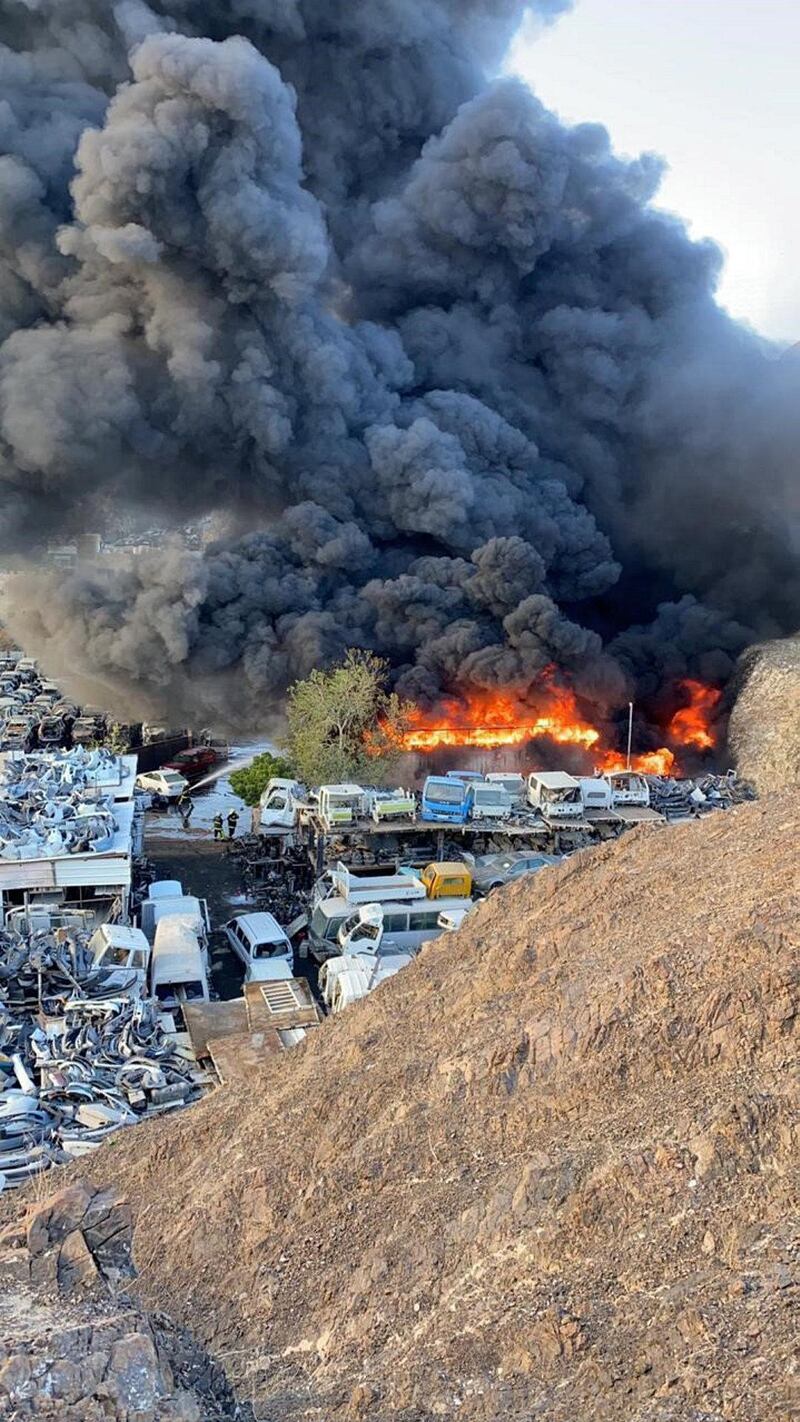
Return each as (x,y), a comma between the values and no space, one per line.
(489,794)
(115,956)
(278,949)
(446,794)
(171,777)
(368,932)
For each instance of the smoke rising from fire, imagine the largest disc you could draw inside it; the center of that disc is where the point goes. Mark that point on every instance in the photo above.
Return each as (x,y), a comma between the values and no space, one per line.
(460,392)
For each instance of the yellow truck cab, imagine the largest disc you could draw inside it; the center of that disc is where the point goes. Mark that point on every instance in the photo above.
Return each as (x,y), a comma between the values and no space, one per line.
(447,880)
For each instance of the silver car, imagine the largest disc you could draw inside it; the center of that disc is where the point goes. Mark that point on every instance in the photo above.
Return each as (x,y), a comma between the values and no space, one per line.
(491,871)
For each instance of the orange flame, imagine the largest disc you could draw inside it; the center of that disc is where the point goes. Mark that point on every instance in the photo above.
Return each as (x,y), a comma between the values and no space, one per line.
(690,726)
(487,719)
(656,762)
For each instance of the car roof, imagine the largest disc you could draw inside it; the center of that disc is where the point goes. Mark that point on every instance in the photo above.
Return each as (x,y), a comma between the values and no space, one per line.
(165,889)
(261,926)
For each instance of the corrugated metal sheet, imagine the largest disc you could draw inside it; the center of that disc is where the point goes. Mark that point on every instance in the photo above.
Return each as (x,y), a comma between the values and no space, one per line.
(79,871)
(27,874)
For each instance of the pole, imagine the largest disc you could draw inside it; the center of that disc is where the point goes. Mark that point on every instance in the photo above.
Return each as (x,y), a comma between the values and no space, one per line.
(630,732)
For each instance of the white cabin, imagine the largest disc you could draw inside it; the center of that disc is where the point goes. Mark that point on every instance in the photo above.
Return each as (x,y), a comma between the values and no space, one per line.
(489,801)
(125,954)
(279,803)
(512,781)
(556,794)
(595,793)
(341,805)
(628,788)
(397,804)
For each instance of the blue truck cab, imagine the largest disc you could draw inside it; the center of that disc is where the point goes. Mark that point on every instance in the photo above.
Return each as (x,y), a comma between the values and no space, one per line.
(445,799)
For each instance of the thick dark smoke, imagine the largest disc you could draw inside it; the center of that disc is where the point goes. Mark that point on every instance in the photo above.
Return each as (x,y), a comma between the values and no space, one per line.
(301,265)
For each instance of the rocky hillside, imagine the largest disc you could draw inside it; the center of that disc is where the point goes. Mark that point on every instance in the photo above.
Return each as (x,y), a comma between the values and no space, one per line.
(73,1347)
(546,1172)
(764,730)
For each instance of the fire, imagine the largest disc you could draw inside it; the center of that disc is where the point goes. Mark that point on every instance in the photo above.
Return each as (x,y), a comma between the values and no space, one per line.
(656,762)
(690,726)
(487,719)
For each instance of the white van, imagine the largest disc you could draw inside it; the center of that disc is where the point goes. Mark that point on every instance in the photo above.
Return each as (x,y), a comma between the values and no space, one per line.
(261,944)
(166,905)
(408,925)
(177,965)
(124,953)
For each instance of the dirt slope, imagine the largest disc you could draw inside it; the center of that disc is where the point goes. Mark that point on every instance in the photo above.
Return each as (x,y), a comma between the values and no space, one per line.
(764,730)
(547,1172)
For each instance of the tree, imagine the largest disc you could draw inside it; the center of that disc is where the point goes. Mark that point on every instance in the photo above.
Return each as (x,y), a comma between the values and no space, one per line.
(344,724)
(249,782)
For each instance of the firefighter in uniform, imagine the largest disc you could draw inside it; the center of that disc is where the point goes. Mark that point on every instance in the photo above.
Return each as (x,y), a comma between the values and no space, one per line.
(216,825)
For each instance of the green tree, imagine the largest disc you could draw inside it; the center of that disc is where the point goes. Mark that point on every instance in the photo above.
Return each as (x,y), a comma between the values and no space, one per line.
(343,723)
(249,782)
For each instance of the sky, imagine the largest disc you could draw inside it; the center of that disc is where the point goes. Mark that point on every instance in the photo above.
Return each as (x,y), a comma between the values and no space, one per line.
(712,87)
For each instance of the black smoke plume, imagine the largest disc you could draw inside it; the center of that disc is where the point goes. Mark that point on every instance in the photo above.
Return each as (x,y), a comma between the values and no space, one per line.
(456,389)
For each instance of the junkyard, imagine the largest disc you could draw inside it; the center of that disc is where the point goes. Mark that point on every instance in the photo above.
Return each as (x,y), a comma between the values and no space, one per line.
(399,710)
(159,937)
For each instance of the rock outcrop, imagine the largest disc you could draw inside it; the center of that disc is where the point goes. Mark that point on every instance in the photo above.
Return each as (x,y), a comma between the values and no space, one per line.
(72,1348)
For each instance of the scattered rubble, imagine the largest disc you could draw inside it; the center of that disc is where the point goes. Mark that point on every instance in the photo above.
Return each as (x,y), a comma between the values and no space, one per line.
(277,877)
(677,799)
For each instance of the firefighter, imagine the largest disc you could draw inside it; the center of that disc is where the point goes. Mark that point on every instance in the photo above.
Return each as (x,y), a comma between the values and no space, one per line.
(216,825)
(185,807)
(233,820)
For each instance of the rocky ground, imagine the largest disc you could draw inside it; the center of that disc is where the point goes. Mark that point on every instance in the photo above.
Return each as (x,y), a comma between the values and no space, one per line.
(547,1172)
(764,730)
(74,1347)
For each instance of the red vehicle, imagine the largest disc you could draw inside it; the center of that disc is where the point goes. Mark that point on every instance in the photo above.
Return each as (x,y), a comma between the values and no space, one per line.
(194,763)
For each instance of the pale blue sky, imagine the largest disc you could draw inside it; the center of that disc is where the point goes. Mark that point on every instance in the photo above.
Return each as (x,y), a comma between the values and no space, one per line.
(713,86)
